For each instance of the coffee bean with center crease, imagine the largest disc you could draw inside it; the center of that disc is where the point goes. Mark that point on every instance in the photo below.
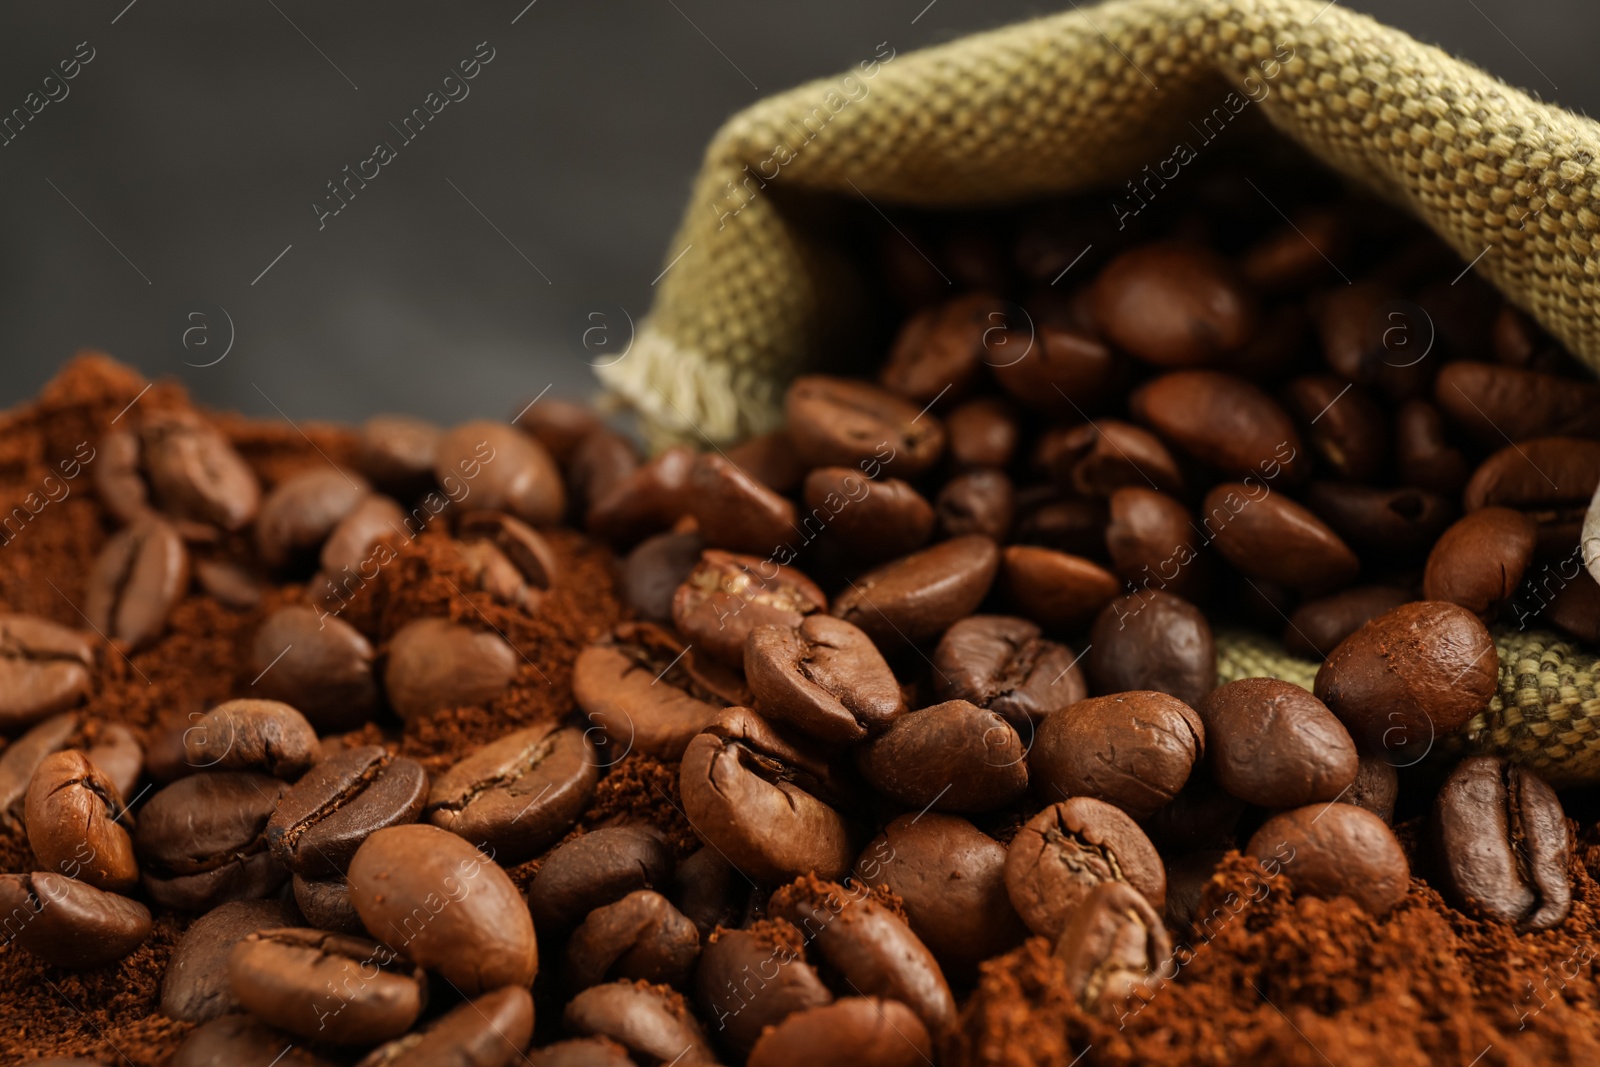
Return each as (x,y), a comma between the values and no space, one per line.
(919,596)
(320,823)
(435,664)
(728,595)
(302,510)
(653,571)
(594,869)
(1386,523)
(1174,304)
(825,677)
(491,1031)
(1549,479)
(241,1041)
(68,923)
(952,756)
(316,663)
(504,469)
(1494,404)
(1153,640)
(642,937)
(45,668)
(137,579)
(1113,950)
(1098,458)
(1224,422)
(77,824)
(1055,590)
(1503,844)
(1001,662)
(736,512)
(652,1022)
(1066,850)
(196,473)
(517,795)
(195,986)
(1266,535)
(1317,626)
(1274,744)
(251,735)
(1134,750)
(872,519)
(976,502)
(525,547)
(396,453)
(325,987)
(203,840)
(835,422)
(869,1031)
(118,481)
(21,758)
(1333,850)
(772,949)
(1345,427)
(1479,561)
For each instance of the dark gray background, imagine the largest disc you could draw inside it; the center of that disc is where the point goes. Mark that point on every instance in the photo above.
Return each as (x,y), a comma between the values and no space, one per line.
(193,145)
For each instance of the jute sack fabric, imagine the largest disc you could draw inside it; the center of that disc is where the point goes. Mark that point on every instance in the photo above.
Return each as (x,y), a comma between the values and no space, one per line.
(757,285)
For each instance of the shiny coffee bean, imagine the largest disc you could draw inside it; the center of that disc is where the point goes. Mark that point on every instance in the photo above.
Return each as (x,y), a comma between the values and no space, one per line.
(1224,422)
(396,453)
(21,758)
(1386,523)
(1297,256)
(1001,663)
(316,663)
(1479,561)
(978,502)
(1153,542)
(594,869)
(77,823)
(735,511)
(203,840)
(1493,403)
(321,821)
(45,668)
(942,349)
(825,677)
(709,890)
(1503,844)
(435,664)
(983,433)
(195,987)
(1274,744)
(331,988)
(640,937)
(1269,536)
(1316,627)
(952,756)
(454,910)
(750,980)
(1066,850)
(602,460)
(835,422)
(301,511)
(139,576)
(870,1031)
(1055,590)
(504,469)
(196,473)
(241,1041)
(1424,456)
(870,519)
(654,1025)
(649,500)
(1173,304)
(325,904)
(1134,750)
(727,595)
(1098,458)
(360,542)
(1346,429)
(1551,479)
(491,1031)
(769,458)
(68,923)
(581,1052)
(252,735)
(1335,850)
(653,571)
(1065,373)
(1113,949)
(1153,640)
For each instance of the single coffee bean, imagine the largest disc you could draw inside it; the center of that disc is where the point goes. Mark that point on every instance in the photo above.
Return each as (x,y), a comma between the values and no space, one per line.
(68,923)
(1224,422)
(1366,332)
(1174,304)
(709,890)
(652,1022)
(1065,373)
(396,453)
(1575,605)
(21,758)
(1134,750)
(559,425)
(240,1041)
(602,460)
(195,986)
(316,663)
(1376,788)
(1385,523)
(649,692)
(1274,744)
(435,664)
(825,676)
(641,937)
(752,979)
(507,469)
(1266,535)
(653,571)
(1347,431)
(1503,844)
(1493,403)
(770,459)
(1153,640)
(1479,561)
(953,756)
(942,349)
(227,583)
(453,909)
(491,1031)
(331,988)
(490,571)
(594,869)
(983,433)
(835,422)
(116,751)
(1297,256)
(647,501)
(203,840)
(581,1052)
(252,735)
(518,795)
(1114,949)
(319,824)
(753,794)
(196,473)
(77,824)
(137,579)
(1055,590)
(1187,877)
(1098,458)
(362,542)
(118,481)
(977,502)
(1153,543)
(526,548)
(870,1031)
(735,511)
(302,510)
(1424,455)
(728,595)
(1551,479)
(1409,676)
(1317,626)
(45,668)
(872,519)
(325,904)
(1066,850)
(1076,527)
(1002,663)
(1336,850)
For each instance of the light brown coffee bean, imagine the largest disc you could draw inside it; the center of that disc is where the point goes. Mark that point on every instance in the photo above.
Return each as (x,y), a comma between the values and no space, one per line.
(1113,949)
(524,547)
(728,595)
(45,668)
(435,664)
(68,923)
(490,1031)
(228,583)
(363,541)
(773,949)
(1334,850)
(326,987)
(870,1031)
(1066,850)
(504,468)
(1274,744)
(941,350)
(953,756)
(1269,536)
(115,749)
(1134,750)
(1055,590)
(137,579)
(1550,479)
(651,1022)
(825,677)
(301,511)
(118,479)
(1174,304)
(983,433)
(640,937)
(919,596)
(196,473)
(735,511)
(21,758)
(559,425)
(77,824)
(241,1041)
(1479,561)
(248,735)
(1224,422)
(316,663)
(835,422)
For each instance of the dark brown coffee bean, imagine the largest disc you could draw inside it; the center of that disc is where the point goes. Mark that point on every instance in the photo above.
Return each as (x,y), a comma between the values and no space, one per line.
(872,519)
(1153,542)
(77,824)
(835,422)
(770,459)
(952,756)
(749,980)
(196,473)
(68,923)
(504,469)
(651,1022)
(1174,304)
(754,795)
(647,691)
(1134,750)
(1275,351)
(203,840)
(736,512)
(1098,458)
(452,908)
(1299,255)
(361,542)
(1346,429)
(21,758)
(1076,527)
(195,986)
(728,595)
(1002,663)
(1156,641)
(1066,850)
(1266,535)
(1202,815)
(870,1031)
(518,795)
(1370,336)
(709,890)
(1114,950)
(1055,590)
(602,461)
(1478,562)
(435,664)
(118,481)
(983,433)
(1551,479)
(1274,744)
(526,549)
(228,583)
(325,904)
(252,735)
(1066,373)
(641,937)
(319,824)
(1424,456)
(45,668)
(558,425)
(316,663)
(825,676)
(1575,605)
(1224,422)
(397,452)
(240,1041)
(332,988)
(1187,877)
(596,868)
(647,501)
(490,1031)
(942,350)
(301,511)
(1493,404)
(1409,676)
(1387,523)
(1335,850)
(977,502)
(1376,788)
(139,576)
(581,1052)
(653,571)
(1317,626)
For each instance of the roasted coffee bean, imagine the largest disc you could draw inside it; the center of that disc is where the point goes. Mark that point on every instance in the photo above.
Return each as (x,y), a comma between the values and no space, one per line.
(641,937)
(1187,877)
(978,502)
(653,571)
(509,471)
(870,1031)
(825,676)
(525,548)
(455,911)
(68,923)
(516,796)
(1479,561)
(1503,844)
(753,794)
(1202,815)
(488,569)
(361,542)
(330,988)
(325,904)
(1494,404)
(1274,352)
(1153,542)
(594,869)
(116,751)
(581,1052)
(770,459)
(1551,479)
(652,1023)
(227,583)
(953,756)
(942,349)
(1174,304)
(117,478)
(559,425)
(1424,456)
(649,692)
(1298,255)
(1575,604)
(137,579)
(490,1031)
(1334,850)
(983,433)
(772,950)
(397,452)
(1317,626)
(1376,788)
(835,422)
(1409,676)
(1098,458)
(252,735)
(1387,523)
(871,519)
(203,840)
(728,595)
(435,664)
(1224,422)
(602,460)
(1114,949)
(735,511)
(1369,336)
(45,668)
(1134,750)
(1076,527)
(77,824)
(316,663)
(1274,744)
(320,823)
(21,758)
(709,890)
(1153,640)
(195,986)
(301,511)
(1055,590)
(196,473)
(647,501)
(950,878)
(1266,535)
(240,1041)
(1002,663)
(1066,373)
(1346,429)
(1068,849)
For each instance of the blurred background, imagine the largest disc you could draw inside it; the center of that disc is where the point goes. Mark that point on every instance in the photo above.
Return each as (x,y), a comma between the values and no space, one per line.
(162,207)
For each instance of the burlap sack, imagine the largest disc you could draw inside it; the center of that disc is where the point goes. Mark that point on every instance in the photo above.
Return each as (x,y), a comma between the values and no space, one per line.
(1086,99)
